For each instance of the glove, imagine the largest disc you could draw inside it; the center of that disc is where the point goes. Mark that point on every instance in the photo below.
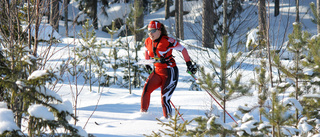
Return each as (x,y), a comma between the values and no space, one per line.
(191,67)
(149,68)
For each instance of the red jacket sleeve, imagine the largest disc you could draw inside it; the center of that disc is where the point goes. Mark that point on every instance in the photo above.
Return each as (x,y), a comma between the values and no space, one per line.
(185,55)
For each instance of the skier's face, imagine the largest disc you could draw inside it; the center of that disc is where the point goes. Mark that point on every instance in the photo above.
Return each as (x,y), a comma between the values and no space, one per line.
(154,33)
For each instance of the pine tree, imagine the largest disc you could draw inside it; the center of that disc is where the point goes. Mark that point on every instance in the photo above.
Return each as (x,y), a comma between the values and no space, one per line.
(90,53)
(316,19)
(262,84)
(282,116)
(133,50)
(113,54)
(226,88)
(247,126)
(174,128)
(39,95)
(28,90)
(310,101)
(295,72)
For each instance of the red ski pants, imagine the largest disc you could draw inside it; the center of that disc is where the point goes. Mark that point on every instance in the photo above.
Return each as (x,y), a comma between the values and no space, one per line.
(167,80)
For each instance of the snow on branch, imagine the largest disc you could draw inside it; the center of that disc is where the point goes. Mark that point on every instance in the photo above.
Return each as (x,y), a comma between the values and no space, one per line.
(40,111)
(6,121)
(295,103)
(48,92)
(38,73)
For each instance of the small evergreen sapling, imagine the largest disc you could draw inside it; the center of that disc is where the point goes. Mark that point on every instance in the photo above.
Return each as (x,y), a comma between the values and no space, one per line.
(294,73)
(261,82)
(212,125)
(174,127)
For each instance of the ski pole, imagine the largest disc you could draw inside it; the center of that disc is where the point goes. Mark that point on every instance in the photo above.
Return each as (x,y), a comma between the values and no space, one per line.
(176,110)
(214,98)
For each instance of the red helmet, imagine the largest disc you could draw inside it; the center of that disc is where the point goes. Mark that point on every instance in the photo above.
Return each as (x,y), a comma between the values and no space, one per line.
(154,24)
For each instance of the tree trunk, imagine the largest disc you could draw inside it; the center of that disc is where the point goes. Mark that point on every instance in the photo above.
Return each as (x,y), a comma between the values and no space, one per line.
(139,35)
(297,11)
(276,7)
(176,11)
(139,19)
(225,17)
(181,28)
(318,12)
(262,18)
(54,14)
(29,23)
(167,9)
(95,12)
(37,25)
(65,5)
(223,56)
(207,21)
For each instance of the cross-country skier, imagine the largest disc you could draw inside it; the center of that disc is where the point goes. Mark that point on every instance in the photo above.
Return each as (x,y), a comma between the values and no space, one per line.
(165,74)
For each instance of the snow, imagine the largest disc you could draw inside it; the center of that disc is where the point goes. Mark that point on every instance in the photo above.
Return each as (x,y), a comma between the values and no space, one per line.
(40,111)
(311,96)
(81,131)
(304,126)
(247,126)
(263,125)
(117,112)
(246,117)
(38,73)
(45,32)
(64,106)
(252,38)
(48,92)
(6,120)
(295,103)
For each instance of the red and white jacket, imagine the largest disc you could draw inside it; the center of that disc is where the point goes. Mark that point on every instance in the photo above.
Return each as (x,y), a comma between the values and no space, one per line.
(162,49)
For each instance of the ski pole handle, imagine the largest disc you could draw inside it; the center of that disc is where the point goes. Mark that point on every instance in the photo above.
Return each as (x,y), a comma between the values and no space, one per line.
(192,75)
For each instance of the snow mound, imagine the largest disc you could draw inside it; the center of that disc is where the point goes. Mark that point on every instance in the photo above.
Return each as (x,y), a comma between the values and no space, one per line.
(144,116)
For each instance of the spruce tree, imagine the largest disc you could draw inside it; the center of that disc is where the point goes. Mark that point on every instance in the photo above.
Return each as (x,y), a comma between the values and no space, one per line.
(24,83)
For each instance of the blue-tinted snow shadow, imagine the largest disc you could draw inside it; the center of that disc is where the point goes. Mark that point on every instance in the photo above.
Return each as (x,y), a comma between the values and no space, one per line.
(117,108)
(155,110)
(108,135)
